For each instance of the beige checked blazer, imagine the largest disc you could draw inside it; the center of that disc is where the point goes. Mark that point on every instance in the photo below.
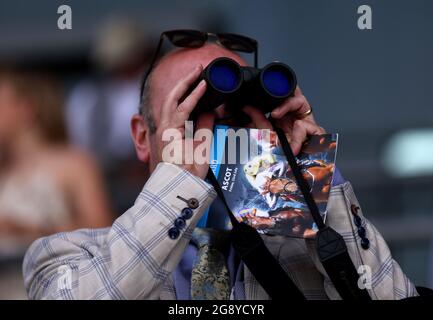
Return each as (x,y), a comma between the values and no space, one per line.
(134,258)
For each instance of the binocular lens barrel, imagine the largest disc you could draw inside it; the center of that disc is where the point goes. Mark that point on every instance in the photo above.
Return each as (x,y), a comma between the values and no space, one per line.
(229,82)
(278,80)
(224,75)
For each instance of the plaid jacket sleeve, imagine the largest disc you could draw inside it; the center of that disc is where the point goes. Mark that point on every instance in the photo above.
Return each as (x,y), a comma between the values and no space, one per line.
(130,260)
(387,280)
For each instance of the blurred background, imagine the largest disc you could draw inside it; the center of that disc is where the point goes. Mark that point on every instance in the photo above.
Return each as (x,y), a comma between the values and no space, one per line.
(66,159)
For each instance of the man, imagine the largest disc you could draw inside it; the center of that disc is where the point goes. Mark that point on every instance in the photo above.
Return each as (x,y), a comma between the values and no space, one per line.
(143,256)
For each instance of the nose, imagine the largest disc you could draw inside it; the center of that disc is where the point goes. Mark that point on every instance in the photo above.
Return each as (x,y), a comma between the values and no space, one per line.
(225,116)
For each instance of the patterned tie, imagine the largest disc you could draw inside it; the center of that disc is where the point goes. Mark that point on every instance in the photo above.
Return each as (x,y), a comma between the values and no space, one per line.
(210,278)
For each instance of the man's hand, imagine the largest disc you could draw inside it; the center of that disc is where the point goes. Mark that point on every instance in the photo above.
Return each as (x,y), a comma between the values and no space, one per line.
(288,116)
(175,112)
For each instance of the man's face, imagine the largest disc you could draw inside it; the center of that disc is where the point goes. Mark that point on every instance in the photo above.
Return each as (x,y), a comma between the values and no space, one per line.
(173,67)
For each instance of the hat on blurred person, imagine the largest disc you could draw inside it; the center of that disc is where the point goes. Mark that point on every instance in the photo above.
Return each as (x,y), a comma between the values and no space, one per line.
(119,43)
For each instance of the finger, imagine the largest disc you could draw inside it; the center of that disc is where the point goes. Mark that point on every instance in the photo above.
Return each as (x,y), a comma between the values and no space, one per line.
(258,119)
(286,122)
(301,130)
(184,84)
(205,121)
(297,105)
(204,126)
(191,101)
(310,117)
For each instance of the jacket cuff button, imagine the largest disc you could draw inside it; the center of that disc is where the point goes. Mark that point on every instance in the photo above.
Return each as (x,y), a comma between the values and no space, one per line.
(361,232)
(365,243)
(192,203)
(173,233)
(179,223)
(186,213)
(354,209)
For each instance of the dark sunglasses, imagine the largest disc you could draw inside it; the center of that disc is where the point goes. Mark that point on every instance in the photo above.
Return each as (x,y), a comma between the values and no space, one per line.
(197,39)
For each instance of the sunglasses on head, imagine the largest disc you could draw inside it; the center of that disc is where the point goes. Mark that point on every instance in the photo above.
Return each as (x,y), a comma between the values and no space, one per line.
(197,39)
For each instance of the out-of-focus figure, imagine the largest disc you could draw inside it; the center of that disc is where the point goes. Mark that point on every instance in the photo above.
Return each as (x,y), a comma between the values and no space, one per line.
(100,106)
(46,186)
(99,109)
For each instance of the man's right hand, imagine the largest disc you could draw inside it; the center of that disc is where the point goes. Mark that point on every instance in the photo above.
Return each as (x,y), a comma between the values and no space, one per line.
(175,112)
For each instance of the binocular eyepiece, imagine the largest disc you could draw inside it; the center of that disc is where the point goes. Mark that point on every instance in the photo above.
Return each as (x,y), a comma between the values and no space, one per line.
(235,85)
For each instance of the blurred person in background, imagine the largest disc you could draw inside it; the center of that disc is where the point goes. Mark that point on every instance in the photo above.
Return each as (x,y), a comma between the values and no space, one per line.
(99,108)
(46,186)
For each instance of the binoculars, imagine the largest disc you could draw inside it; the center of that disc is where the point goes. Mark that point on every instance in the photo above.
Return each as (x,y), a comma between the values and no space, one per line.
(237,86)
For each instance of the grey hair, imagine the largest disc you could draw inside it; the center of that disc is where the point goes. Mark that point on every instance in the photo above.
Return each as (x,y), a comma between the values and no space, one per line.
(145,108)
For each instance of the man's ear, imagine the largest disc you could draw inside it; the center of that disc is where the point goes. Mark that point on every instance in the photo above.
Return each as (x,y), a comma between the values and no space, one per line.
(141,137)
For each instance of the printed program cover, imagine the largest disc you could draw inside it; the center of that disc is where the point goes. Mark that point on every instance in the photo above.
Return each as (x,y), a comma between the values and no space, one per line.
(259,186)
